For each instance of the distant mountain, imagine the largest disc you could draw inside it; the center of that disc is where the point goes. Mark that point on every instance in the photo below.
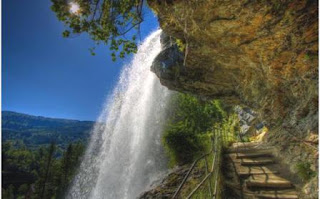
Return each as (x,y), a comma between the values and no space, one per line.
(35,131)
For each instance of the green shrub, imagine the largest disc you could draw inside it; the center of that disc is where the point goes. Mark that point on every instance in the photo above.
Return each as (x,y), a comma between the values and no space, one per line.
(182,145)
(188,132)
(304,171)
(181,45)
(244,138)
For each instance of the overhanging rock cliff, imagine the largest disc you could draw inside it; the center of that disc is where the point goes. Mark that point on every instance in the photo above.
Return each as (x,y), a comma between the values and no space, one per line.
(263,54)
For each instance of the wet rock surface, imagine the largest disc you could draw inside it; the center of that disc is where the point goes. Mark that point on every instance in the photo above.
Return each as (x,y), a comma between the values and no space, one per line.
(168,186)
(169,62)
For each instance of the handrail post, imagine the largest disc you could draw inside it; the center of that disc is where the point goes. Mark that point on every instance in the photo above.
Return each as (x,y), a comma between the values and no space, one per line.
(207,169)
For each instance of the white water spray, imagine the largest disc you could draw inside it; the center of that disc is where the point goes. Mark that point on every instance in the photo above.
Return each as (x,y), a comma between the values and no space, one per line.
(125,154)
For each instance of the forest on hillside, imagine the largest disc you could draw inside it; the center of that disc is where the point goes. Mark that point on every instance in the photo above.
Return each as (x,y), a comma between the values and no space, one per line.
(36,131)
(40,155)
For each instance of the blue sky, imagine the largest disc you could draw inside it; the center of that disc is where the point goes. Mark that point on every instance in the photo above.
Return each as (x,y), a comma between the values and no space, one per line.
(45,74)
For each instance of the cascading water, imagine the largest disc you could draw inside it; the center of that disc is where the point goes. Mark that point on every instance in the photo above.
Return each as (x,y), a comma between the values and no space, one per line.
(125,154)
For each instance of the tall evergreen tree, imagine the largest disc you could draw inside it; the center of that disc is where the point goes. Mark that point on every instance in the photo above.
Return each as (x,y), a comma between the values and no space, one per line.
(67,165)
(47,169)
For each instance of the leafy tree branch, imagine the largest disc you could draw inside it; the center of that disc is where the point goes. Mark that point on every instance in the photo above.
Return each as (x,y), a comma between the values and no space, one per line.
(106,21)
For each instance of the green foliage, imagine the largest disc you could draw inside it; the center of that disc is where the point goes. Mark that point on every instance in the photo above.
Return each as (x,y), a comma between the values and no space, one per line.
(230,128)
(306,57)
(197,116)
(181,45)
(187,134)
(39,173)
(310,57)
(8,193)
(23,189)
(304,171)
(183,145)
(105,21)
(30,162)
(245,139)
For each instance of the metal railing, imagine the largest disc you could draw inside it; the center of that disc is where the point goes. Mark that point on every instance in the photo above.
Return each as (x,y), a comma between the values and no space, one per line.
(218,139)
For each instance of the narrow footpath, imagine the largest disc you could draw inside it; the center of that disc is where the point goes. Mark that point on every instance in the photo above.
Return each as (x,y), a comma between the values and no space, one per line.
(256,173)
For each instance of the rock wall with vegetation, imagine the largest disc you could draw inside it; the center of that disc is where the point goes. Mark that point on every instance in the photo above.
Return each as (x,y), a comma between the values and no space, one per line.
(263,54)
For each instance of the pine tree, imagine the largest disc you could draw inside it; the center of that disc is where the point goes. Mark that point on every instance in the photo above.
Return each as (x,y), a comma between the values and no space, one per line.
(47,169)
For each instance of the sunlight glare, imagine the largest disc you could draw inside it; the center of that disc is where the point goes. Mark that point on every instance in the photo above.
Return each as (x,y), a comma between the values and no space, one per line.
(74,7)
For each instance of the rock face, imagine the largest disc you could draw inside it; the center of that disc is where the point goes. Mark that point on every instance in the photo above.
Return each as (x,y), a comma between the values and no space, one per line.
(168,63)
(174,74)
(168,185)
(263,54)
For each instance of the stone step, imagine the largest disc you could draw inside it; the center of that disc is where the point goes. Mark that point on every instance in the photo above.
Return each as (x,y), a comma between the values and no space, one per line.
(253,155)
(249,150)
(242,146)
(277,196)
(236,157)
(245,144)
(268,181)
(256,161)
(244,171)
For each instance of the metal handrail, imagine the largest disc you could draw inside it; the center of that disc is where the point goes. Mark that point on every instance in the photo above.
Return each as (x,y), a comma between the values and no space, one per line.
(188,174)
(215,160)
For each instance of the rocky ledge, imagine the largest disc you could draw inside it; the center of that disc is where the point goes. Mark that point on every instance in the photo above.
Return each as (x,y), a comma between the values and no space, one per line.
(168,186)
(263,54)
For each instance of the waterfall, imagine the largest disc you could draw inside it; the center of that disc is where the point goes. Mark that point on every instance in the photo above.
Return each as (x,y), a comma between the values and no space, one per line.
(125,155)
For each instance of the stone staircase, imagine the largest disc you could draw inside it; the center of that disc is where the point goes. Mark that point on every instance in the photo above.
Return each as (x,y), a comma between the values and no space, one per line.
(258,172)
